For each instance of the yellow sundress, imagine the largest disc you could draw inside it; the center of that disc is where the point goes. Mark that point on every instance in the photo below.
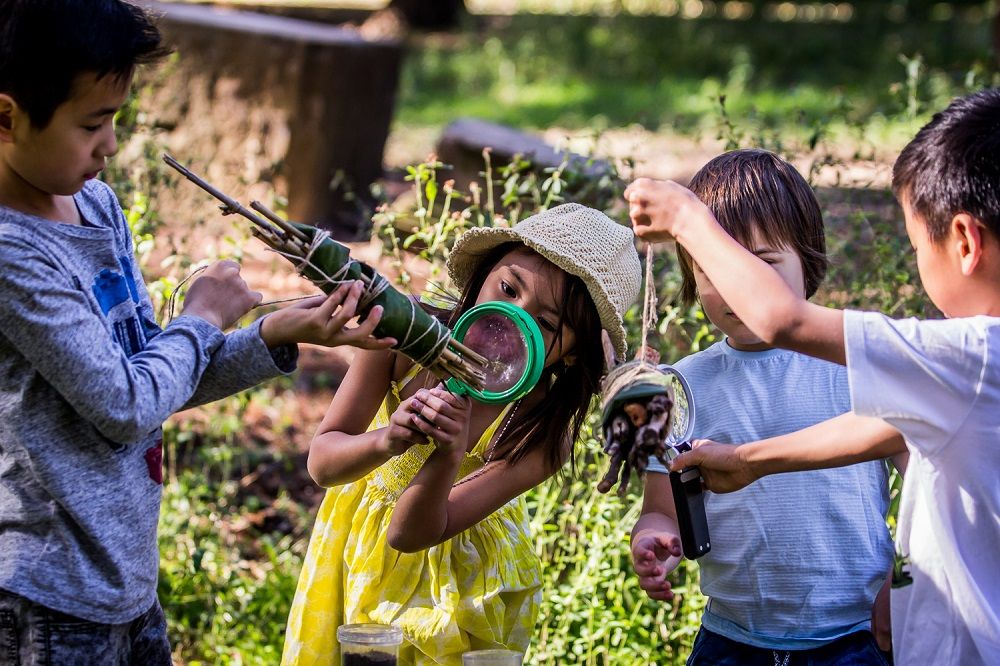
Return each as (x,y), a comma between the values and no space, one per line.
(480,589)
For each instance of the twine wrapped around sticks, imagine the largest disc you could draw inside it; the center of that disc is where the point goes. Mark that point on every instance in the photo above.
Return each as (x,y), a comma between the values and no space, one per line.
(328,265)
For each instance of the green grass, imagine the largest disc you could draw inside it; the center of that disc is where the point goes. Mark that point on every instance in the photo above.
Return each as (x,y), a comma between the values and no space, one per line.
(667,72)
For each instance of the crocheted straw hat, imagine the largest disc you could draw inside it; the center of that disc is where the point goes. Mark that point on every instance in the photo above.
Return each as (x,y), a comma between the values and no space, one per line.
(581,241)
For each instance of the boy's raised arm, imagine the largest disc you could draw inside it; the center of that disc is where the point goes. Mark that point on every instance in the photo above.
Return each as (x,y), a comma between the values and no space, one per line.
(663,210)
(843,440)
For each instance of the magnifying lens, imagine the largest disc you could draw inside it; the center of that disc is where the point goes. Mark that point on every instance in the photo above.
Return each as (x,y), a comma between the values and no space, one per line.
(656,381)
(511,341)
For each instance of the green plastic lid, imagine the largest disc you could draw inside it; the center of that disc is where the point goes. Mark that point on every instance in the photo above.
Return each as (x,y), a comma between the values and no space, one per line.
(511,340)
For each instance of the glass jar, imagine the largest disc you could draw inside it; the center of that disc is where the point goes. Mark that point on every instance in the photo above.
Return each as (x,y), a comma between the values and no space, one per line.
(369,644)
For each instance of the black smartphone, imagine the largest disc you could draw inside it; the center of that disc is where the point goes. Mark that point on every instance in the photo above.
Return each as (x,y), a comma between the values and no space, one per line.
(689,500)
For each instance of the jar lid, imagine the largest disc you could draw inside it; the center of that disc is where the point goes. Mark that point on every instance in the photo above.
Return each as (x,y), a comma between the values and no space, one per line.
(369,634)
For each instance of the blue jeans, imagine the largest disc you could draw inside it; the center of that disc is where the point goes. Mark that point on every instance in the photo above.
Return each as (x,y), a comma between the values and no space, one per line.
(857,649)
(33,635)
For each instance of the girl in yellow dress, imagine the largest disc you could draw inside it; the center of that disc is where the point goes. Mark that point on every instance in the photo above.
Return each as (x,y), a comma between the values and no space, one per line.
(423,526)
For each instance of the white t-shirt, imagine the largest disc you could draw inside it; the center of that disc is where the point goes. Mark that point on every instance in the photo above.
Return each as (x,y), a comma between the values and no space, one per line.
(938,383)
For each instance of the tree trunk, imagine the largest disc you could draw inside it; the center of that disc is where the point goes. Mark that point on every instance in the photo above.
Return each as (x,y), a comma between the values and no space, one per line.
(430,14)
(996,35)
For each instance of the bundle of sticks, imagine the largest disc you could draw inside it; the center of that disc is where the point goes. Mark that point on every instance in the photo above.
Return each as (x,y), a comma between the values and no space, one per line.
(638,413)
(328,264)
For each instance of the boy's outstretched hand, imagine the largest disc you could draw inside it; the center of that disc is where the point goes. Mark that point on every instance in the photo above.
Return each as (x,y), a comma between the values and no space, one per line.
(654,556)
(323,320)
(658,207)
(220,296)
(724,467)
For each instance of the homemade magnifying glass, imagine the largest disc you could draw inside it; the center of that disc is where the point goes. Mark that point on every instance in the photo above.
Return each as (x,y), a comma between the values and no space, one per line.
(648,411)
(638,382)
(511,341)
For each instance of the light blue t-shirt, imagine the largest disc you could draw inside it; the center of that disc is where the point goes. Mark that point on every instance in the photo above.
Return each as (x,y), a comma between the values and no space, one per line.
(796,559)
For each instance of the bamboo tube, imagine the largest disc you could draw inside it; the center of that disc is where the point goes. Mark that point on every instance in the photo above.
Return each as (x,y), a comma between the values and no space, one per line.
(468,351)
(459,361)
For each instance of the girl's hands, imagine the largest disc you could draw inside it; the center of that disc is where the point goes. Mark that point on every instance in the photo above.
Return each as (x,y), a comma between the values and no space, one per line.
(443,416)
(429,414)
(402,432)
(323,320)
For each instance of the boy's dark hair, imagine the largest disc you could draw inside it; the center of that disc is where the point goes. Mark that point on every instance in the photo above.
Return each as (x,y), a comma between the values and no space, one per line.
(750,190)
(46,44)
(953,165)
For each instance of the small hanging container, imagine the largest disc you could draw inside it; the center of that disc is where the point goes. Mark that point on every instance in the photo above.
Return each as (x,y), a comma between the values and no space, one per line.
(646,410)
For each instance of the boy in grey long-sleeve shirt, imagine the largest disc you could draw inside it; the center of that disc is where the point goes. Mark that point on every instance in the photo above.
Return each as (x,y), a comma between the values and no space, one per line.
(86,379)
(86,375)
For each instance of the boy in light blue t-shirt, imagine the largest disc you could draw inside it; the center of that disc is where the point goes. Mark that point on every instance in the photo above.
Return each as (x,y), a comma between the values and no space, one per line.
(782,583)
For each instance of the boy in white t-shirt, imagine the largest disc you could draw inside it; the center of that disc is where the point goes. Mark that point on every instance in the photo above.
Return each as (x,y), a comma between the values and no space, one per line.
(936,382)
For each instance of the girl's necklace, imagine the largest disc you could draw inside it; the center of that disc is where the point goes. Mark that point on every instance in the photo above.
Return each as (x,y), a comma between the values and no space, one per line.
(492,448)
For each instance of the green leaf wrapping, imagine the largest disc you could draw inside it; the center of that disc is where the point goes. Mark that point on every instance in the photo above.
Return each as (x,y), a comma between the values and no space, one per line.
(418,334)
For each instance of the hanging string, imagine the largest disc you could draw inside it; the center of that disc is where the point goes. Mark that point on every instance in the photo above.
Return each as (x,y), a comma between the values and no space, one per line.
(649,303)
(641,369)
(172,299)
(290,299)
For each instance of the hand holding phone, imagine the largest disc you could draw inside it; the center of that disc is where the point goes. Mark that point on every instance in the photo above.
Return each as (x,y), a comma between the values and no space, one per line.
(689,501)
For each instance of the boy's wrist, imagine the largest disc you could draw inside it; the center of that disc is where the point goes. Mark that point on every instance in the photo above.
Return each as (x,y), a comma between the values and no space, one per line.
(692,222)
(205,315)
(270,332)
(757,459)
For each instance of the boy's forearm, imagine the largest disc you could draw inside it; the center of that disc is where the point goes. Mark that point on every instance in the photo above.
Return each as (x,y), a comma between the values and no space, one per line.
(243,361)
(844,440)
(758,295)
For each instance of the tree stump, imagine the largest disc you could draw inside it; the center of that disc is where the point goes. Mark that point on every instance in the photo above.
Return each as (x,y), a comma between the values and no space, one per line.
(430,14)
(311,104)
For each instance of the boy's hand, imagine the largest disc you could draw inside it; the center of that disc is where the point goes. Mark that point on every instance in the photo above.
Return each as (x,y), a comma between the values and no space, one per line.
(220,296)
(654,556)
(323,320)
(443,416)
(657,207)
(724,467)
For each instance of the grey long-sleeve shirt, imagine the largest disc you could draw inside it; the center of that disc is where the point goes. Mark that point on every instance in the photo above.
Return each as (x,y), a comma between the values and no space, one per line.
(86,380)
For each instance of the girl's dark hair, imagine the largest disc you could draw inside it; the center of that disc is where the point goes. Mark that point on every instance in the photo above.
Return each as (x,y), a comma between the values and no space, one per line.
(554,423)
(953,165)
(750,190)
(46,44)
